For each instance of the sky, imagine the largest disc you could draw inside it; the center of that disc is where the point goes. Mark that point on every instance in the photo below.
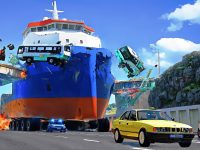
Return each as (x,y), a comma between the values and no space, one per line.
(170,26)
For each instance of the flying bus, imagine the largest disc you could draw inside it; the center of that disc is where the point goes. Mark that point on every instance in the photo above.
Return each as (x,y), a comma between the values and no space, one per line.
(53,54)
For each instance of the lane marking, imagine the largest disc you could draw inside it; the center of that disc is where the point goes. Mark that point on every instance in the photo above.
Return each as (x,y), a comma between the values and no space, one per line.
(138,148)
(59,136)
(196,141)
(42,134)
(91,140)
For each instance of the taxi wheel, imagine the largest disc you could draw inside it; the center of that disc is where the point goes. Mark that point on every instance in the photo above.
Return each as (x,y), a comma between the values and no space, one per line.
(185,143)
(117,136)
(143,140)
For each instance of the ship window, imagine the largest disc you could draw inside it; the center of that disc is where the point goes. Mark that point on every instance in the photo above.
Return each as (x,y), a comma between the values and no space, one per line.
(78,27)
(45,28)
(81,41)
(65,26)
(67,40)
(59,26)
(40,29)
(71,27)
(33,29)
(50,26)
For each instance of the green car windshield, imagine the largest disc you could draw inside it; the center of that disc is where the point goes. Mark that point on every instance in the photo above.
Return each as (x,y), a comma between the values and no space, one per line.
(152,115)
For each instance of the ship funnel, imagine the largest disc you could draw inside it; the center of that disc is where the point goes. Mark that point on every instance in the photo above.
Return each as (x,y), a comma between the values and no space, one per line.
(55,12)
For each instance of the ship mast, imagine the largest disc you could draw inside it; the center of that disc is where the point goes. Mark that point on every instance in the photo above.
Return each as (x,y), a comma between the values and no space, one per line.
(55,12)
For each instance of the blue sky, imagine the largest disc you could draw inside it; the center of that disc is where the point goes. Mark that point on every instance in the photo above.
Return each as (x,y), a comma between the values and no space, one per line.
(172,26)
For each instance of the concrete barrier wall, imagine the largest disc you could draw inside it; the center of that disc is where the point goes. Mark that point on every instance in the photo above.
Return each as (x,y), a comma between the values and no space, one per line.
(187,114)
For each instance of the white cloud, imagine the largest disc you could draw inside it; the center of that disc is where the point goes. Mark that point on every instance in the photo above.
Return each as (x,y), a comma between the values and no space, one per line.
(150,58)
(151,62)
(162,54)
(171,51)
(165,64)
(188,12)
(175,26)
(176,45)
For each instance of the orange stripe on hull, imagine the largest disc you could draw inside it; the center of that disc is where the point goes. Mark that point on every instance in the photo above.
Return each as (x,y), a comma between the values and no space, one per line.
(66,108)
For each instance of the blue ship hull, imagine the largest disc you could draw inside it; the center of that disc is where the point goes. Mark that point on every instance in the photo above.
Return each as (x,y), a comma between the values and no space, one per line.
(79,90)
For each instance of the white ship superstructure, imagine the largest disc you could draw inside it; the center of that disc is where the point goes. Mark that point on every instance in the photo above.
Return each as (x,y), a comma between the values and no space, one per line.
(57,31)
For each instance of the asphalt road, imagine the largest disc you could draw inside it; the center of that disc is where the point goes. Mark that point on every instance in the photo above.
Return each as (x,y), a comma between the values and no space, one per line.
(12,140)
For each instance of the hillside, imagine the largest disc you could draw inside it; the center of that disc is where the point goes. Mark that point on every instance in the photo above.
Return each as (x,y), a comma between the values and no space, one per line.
(179,85)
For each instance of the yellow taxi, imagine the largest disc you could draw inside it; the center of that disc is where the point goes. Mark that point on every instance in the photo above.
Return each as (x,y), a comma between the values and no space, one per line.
(150,126)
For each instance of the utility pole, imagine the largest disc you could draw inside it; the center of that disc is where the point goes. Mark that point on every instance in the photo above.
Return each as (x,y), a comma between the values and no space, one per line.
(158,51)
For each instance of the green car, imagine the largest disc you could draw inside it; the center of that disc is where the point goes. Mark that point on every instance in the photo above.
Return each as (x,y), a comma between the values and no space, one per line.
(129,61)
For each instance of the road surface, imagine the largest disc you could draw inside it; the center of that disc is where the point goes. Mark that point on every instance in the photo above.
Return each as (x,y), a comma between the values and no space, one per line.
(13,140)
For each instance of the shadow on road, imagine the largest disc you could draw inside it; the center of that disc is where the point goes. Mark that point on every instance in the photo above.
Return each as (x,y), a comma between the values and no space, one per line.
(135,144)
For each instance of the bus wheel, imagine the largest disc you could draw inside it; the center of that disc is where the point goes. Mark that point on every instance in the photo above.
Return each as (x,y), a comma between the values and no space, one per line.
(51,60)
(29,60)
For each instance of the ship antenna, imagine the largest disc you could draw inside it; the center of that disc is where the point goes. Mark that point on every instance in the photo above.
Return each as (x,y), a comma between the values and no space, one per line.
(55,12)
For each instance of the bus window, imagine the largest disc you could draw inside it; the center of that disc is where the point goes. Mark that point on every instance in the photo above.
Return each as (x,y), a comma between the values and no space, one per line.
(20,50)
(40,49)
(58,49)
(26,49)
(31,49)
(48,49)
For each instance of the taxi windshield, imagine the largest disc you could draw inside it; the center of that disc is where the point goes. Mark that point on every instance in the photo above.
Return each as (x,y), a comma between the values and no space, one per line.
(152,115)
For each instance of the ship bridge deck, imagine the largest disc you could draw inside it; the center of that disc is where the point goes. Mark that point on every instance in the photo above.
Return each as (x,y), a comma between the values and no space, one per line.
(9,74)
